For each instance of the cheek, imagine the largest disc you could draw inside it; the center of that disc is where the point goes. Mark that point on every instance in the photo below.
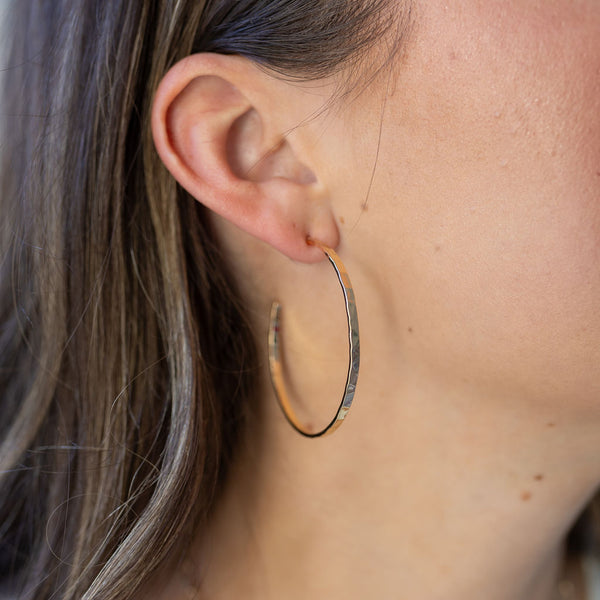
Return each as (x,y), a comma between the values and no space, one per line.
(490,164)
(513,302)
(503,90)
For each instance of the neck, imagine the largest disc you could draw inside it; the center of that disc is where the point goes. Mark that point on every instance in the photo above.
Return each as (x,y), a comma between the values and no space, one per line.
(450,504)
(435,487)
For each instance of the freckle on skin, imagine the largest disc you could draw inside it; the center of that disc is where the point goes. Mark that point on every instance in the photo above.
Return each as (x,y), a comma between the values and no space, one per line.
(410,330)
(525,496)
(342,220)
(550,425)
(539,477)
(438,248)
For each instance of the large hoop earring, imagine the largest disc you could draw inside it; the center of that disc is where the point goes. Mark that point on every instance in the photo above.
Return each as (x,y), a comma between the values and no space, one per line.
(354,353)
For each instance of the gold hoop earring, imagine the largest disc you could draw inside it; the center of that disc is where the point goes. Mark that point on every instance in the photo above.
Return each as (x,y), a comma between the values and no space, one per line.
(275,366)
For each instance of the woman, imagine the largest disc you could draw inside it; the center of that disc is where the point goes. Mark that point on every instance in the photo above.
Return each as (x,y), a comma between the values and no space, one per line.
(174,168)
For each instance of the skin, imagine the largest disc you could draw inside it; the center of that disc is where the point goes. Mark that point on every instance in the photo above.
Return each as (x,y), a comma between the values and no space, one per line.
(474,255)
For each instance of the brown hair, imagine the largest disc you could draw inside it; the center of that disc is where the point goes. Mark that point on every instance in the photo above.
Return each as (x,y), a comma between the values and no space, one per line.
(124,349)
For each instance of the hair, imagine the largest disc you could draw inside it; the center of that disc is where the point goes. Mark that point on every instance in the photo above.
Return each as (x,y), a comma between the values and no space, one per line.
(125,354)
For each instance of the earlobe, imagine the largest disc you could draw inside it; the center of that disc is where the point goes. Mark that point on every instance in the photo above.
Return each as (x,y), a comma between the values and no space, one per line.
(220,142)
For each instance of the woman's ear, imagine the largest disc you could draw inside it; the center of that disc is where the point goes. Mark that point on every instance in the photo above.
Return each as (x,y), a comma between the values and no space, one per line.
(217,126)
